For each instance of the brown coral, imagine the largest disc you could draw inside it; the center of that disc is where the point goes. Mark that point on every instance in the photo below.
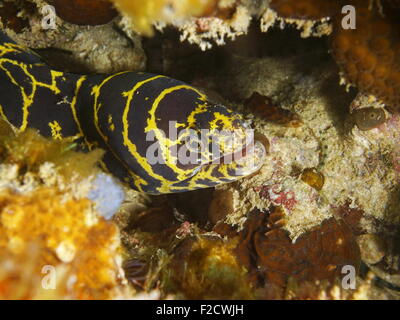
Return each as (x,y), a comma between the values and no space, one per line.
(271,258)
(85,12)
(369,54)
(206,268)
(304,9)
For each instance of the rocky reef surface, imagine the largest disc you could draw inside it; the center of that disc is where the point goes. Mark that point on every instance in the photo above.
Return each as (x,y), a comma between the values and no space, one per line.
(323,99)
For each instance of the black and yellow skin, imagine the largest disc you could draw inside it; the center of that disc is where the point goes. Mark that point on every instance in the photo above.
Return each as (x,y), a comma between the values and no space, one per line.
(117,113)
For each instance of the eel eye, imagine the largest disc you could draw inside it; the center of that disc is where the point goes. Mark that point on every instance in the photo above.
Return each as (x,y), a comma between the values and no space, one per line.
(372,115)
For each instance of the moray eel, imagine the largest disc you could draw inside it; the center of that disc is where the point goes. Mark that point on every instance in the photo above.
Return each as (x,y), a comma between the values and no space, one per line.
(131,116)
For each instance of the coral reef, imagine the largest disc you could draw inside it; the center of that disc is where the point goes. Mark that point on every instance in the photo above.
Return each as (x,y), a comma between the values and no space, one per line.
(372,64)
(326,197)
(209,271)
(143,15)
(106,48)
(49,228)
(201,22)
(307,269)
(65,235)
(366,54)
(321,163)
(316,255)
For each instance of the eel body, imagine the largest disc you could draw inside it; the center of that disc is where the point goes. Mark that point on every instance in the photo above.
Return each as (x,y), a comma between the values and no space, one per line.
(147,124)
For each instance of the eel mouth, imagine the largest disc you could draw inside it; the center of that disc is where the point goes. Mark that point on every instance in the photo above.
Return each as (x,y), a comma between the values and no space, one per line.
(250,159)
(241,163)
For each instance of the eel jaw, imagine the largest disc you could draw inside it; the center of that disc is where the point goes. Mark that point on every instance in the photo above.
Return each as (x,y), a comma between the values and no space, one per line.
(245,162)
(250,159)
